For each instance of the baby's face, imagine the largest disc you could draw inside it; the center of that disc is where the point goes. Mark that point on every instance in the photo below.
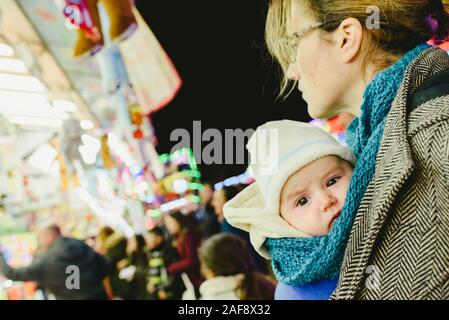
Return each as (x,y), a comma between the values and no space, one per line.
(313,197)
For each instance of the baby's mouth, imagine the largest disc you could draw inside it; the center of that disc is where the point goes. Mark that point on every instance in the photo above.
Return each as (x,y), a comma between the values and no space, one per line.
(335,217)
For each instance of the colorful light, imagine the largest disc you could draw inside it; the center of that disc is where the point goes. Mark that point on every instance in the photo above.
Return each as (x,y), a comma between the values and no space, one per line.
(21,83)
(12,66)
(164,158)
(244,178)
(195,186)
(193,173)
(120,149)
(155,213)
(135,170)
(66,106)
(90,148)
(38,122)
(86,124)
(5,50)
(173,204)
(195,198)
(43,157)
(180,186)
(149,198)
(141,187)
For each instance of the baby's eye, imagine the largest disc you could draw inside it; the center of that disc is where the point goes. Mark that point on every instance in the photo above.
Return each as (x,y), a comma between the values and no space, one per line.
(332,181)
(302,201)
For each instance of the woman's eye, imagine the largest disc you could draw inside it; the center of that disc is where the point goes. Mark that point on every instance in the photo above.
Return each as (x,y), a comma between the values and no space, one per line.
(332,181)
(302,201)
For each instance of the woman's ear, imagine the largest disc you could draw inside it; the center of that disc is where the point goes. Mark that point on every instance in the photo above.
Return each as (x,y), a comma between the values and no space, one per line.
(349,39)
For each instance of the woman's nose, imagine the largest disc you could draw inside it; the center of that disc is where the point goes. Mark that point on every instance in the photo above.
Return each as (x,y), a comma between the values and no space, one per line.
(292,72)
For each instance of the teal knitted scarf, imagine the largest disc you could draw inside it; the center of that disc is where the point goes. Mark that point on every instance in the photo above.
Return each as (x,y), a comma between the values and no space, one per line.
(298,261)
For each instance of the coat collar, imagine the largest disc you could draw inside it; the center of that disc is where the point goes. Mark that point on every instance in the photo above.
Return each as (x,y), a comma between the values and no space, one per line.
(221,286)
(394,160)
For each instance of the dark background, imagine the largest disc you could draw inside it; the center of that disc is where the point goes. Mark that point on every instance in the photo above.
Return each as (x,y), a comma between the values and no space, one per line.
(229,80)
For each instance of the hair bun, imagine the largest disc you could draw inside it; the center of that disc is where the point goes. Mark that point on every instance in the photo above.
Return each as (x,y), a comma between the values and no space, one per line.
(438,20)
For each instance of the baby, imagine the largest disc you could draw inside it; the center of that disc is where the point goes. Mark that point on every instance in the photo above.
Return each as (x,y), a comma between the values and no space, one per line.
(302,195)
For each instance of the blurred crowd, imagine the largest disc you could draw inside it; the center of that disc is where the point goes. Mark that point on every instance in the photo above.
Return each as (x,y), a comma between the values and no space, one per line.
(193,255)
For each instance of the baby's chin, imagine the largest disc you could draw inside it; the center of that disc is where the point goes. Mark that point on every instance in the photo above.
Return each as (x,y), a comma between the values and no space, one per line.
(320,233)
(324,231)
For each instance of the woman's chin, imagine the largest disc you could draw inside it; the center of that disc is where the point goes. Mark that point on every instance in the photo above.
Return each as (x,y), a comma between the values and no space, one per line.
(317,112)
(313,112)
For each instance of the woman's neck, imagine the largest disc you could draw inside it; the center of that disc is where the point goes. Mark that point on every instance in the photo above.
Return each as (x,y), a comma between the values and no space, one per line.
(354,100)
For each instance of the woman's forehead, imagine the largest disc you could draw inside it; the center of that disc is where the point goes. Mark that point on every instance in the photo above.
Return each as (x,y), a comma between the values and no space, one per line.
(298,17)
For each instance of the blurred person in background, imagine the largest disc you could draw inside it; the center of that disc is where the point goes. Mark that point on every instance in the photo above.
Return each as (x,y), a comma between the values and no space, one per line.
(219,198)
(104,233)
(49,268)
(229,273)
(91,241)
(137,257)
(222,196)
(115,248)
(160,285)
(206,214)
(186,241)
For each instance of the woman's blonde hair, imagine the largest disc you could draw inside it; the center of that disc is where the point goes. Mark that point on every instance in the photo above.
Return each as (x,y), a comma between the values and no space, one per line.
(403,25)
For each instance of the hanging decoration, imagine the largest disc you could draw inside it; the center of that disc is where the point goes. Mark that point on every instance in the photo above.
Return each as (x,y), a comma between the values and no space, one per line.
(108,162)
(152,73)
(84,16)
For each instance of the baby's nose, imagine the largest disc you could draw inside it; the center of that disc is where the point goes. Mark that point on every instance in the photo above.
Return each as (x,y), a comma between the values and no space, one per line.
(328,202)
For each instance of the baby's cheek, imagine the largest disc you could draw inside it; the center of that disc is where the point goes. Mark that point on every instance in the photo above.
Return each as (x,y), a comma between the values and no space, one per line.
(345,186)
(295,219)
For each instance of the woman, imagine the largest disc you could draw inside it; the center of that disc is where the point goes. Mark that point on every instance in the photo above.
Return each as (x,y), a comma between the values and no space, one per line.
(206,214)
(187,241)
(137,256)
(219,198)
(343,59)
(103,234)
(160,255)
(115,248)
(226,265)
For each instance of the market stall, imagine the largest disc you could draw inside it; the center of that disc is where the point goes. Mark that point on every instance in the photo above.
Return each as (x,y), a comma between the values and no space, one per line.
(76,139)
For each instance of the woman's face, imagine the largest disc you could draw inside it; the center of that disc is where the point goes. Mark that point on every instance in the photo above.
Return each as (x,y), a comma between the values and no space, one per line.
(172,225)
(132,245)
(318,67)
(153,241)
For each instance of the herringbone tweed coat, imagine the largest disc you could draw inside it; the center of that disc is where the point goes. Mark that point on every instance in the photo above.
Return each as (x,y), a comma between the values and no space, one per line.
(399,243)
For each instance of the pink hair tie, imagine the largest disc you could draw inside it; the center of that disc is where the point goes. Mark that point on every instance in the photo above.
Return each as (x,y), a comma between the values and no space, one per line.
(432,23)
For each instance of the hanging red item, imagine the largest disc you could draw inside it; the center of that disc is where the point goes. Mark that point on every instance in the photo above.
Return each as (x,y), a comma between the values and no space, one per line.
(80,14)
(137,120)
